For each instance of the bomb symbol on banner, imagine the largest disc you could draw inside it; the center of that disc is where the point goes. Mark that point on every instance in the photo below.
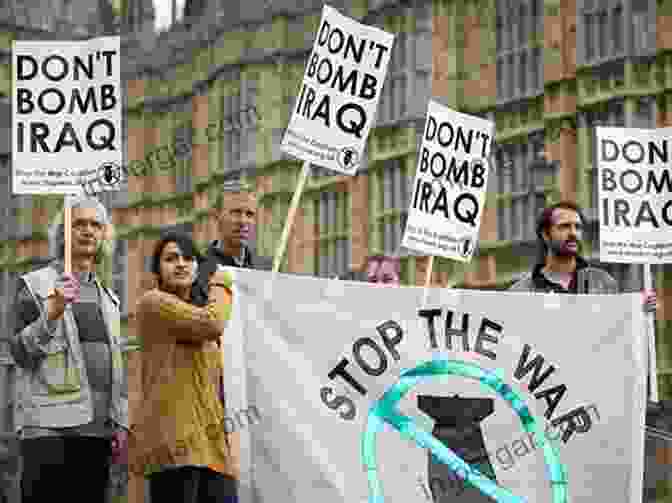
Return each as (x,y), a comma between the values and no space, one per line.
(457,440)
(457,425)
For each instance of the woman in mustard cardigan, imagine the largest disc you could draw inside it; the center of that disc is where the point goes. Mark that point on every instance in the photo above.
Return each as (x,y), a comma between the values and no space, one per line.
(178,440)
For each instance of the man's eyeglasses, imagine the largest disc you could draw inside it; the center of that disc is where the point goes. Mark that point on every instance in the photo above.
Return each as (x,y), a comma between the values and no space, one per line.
(80,224)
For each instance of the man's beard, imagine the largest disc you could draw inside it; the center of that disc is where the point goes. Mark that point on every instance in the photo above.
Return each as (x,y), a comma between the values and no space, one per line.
(560,249)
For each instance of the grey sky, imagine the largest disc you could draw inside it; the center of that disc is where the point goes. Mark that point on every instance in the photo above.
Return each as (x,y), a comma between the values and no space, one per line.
(162,9)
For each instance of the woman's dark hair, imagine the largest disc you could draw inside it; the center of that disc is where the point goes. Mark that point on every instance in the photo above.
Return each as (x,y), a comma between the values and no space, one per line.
(184,241)
(544,222)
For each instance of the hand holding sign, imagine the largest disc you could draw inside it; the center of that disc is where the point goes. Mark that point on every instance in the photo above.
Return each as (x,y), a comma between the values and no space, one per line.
(635,205)
(65,292)
(59,122)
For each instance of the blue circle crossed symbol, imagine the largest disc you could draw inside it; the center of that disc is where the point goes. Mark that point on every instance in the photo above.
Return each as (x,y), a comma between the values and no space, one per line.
(384,411)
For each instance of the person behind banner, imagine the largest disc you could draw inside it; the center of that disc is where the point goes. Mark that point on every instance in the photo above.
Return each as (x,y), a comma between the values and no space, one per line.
(383,270)
(559,267)
(235,210)
(178,440)
(66,340)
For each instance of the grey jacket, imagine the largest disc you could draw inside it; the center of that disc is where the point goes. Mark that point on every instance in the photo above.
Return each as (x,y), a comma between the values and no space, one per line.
(54,390)
(588,279)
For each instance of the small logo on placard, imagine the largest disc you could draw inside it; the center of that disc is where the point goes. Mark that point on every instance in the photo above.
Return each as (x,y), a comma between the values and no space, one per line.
(466,247)
(348,158)
(109,174)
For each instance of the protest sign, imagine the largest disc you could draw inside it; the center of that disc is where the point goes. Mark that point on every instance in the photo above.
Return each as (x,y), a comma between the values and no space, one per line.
(635,206)
(337,102)
(450,184)
(66,115)
(634,195)
(338,98)
(362,413)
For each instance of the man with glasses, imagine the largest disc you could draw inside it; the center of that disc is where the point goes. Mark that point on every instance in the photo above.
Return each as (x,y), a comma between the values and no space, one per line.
(66,339)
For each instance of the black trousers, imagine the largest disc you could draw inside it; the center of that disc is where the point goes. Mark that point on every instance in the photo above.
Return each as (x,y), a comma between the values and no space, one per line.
(191,484)
(51,465)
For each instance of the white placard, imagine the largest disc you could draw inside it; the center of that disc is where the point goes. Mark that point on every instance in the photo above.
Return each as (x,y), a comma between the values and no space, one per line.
(451,180)
(66,115)
(635,195)
(338,98)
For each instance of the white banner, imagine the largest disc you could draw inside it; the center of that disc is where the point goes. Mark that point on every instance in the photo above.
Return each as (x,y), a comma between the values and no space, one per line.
(337,102)
(550,403)
(450,184)
(635,195)
(66,116)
